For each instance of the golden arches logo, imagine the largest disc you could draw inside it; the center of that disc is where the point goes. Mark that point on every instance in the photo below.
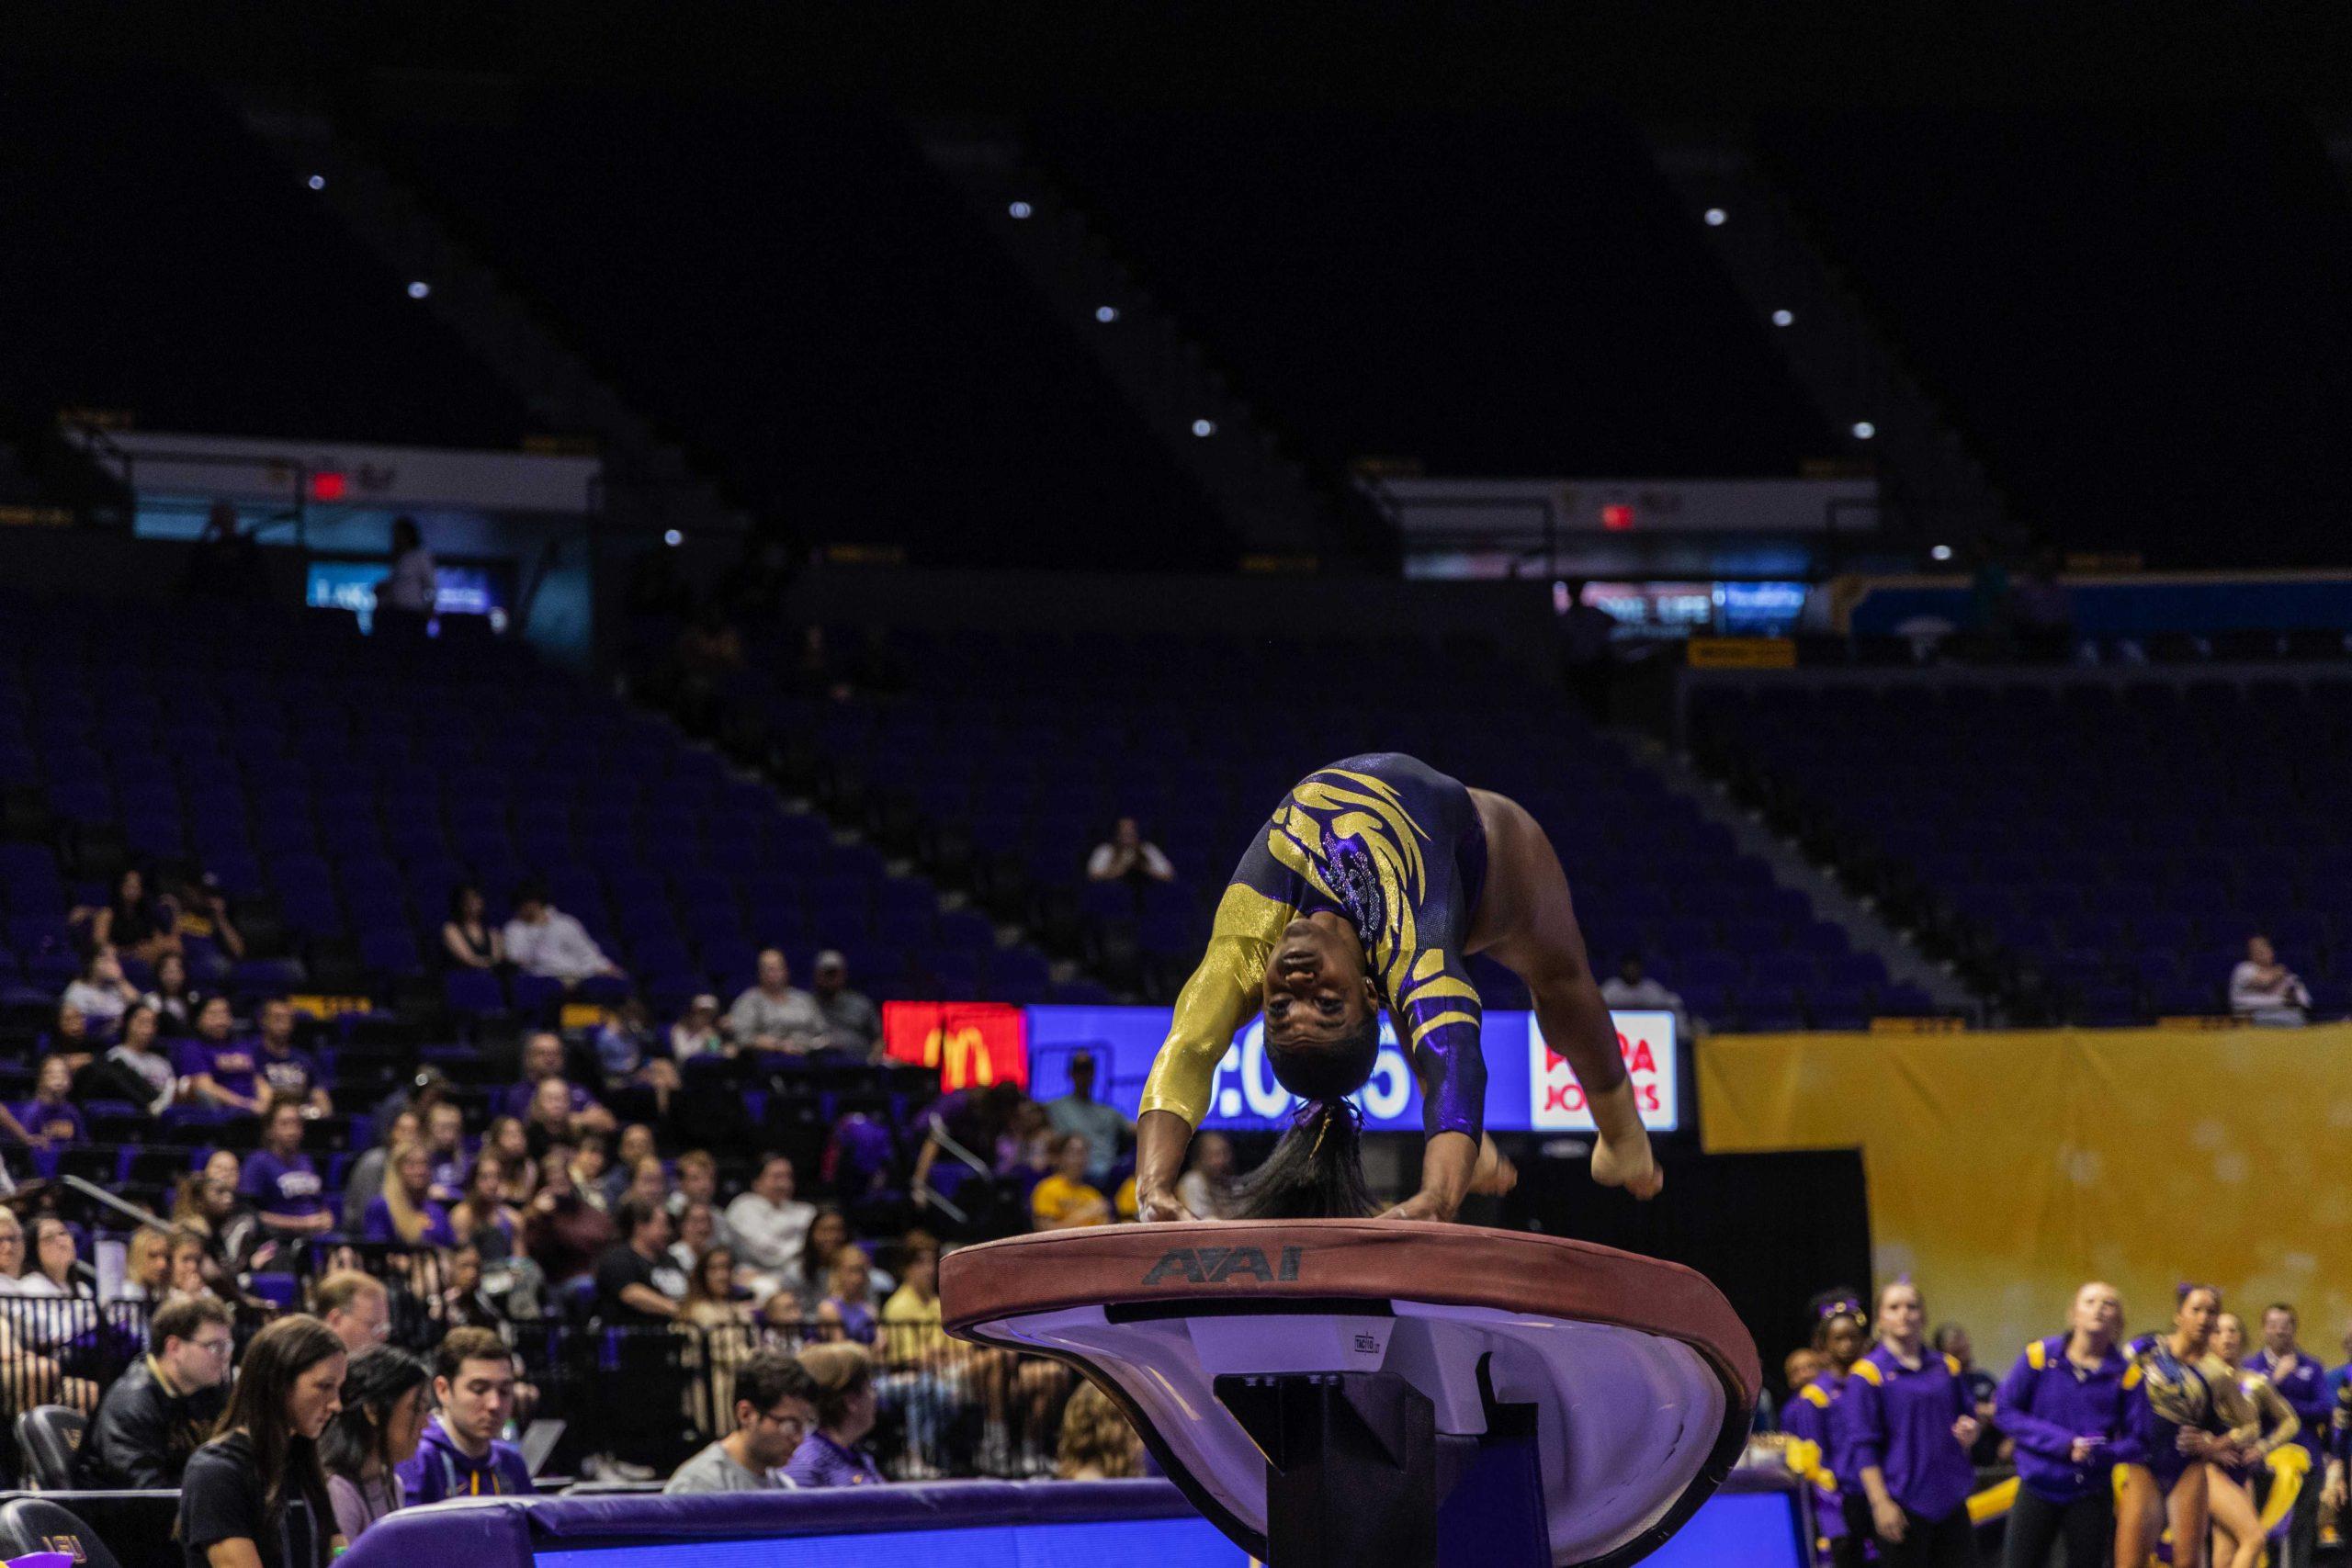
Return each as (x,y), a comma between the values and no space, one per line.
(961,1053)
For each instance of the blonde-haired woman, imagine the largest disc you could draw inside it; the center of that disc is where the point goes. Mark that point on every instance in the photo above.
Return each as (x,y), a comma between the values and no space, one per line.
(1097,1443)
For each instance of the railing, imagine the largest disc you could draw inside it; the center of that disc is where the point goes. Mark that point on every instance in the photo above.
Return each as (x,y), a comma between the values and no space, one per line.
(650,1396)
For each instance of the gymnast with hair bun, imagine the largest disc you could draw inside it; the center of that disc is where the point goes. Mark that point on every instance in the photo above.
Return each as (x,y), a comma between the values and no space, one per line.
(1372,883)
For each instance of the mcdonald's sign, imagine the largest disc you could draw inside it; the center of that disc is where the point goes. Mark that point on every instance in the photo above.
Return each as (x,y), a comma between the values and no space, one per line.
(966,1042)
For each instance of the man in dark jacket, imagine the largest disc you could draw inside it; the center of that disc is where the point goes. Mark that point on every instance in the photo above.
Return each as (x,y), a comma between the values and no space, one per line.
(163,1408)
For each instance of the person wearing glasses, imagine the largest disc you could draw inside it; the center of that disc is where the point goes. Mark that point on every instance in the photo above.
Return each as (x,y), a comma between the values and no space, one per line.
(165,1406)
(775,1407)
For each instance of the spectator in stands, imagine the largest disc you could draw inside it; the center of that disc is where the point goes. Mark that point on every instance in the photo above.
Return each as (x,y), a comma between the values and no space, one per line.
(189,1261)
(381,1423)
(101,994)
(846,1406)
(632,1283)
(774,1016)
(2262,990)
(49,1120)
(220,1072)
(543,1064)
(290,1074)
(712,1296)
(769,1225)
(1210,1189)
(1104,1127)
(628,1050)
(356,1306)
(720,1326)
(1065,1201)
(698,1183)
(635,1144)
(57,1273)
(1630,987)
(208,1203)
(280,1180)
(1097,1443)
(828,1233)
(649,1182)
(202,912)
(365,1179)
(133,921)
(697,1229)
(467,1303)
(405,1213)
(519,1173)
(468,937)
(1127,856)
(846,1309)
(164,1405)
(137,1069)
(460,1454)
(480,1218)
(590,1165)
(562,1234)
(411,588)
(255,1496)
(542,940)
(173,1002)
(698,1033)
(445,1147)
(774,1406)
(1025,1149)
(147,1267)
(69,1036)
(852,1027)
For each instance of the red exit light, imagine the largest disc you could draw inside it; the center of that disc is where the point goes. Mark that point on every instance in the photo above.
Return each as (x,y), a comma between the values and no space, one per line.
(1617,517)
(330,487)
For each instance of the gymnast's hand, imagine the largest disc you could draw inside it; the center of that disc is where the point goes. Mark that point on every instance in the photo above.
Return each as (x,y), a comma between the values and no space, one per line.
(1421,1206)
(1158,1203)
(1627,1162)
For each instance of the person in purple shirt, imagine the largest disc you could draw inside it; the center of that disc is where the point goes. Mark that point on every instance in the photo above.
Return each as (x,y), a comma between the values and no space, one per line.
(847,1405)
(290,1074)
(281,1182)
(220,1073)
(405,1213)
(2303,1383)
(461,1454)
(1810,1418)
(543,1058)
(1906,1426)
(2066,1406)
(48,1114)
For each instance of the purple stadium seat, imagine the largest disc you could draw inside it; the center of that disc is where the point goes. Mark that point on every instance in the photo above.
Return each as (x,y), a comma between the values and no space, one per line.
(474,992)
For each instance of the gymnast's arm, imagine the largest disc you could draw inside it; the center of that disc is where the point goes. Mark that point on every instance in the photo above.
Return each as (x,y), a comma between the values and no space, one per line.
(1222,994)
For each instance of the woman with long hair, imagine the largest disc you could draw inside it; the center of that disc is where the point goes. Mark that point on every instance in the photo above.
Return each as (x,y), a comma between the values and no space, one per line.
(137,1069)
(519,1173)
(480,1218)
(1097,1442)
(1905,1422)
(2230,1489)
(846,1408)
(2190,1413)
(173,999)
(467,939)
(256,1495)
(1370,886)
(723,1331)
(405,1213)
(382,1419)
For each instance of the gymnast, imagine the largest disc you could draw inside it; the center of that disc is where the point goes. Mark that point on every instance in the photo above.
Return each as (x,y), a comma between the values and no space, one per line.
(1373,880)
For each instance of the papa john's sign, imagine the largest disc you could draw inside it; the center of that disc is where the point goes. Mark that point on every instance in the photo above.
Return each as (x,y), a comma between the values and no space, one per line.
(1645,1041)
(969,1042)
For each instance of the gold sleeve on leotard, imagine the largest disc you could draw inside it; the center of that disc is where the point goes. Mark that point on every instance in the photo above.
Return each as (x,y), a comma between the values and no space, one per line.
(1222,996)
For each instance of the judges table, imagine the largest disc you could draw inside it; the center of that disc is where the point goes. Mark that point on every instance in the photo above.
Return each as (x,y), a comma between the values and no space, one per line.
(1753,1521)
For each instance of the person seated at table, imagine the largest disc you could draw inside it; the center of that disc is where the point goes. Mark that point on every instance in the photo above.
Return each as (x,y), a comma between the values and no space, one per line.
(846,1407)
(165,1406)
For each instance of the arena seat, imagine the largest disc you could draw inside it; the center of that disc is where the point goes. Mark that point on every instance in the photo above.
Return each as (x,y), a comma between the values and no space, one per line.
(1321,1388)
(32,1524)
(49,1437)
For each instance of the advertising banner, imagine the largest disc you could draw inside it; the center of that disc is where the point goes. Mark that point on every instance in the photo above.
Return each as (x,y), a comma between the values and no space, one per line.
(969,1042)
(1529,1086)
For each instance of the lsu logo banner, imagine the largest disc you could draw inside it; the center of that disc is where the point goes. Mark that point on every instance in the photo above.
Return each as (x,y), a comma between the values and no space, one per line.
(968,1043)
(1646,1042)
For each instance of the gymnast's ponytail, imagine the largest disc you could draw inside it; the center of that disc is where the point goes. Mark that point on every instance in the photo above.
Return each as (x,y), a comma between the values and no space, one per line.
(1315,1172)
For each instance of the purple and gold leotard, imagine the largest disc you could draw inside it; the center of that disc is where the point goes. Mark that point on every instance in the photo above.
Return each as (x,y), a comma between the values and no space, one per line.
(1397,849)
